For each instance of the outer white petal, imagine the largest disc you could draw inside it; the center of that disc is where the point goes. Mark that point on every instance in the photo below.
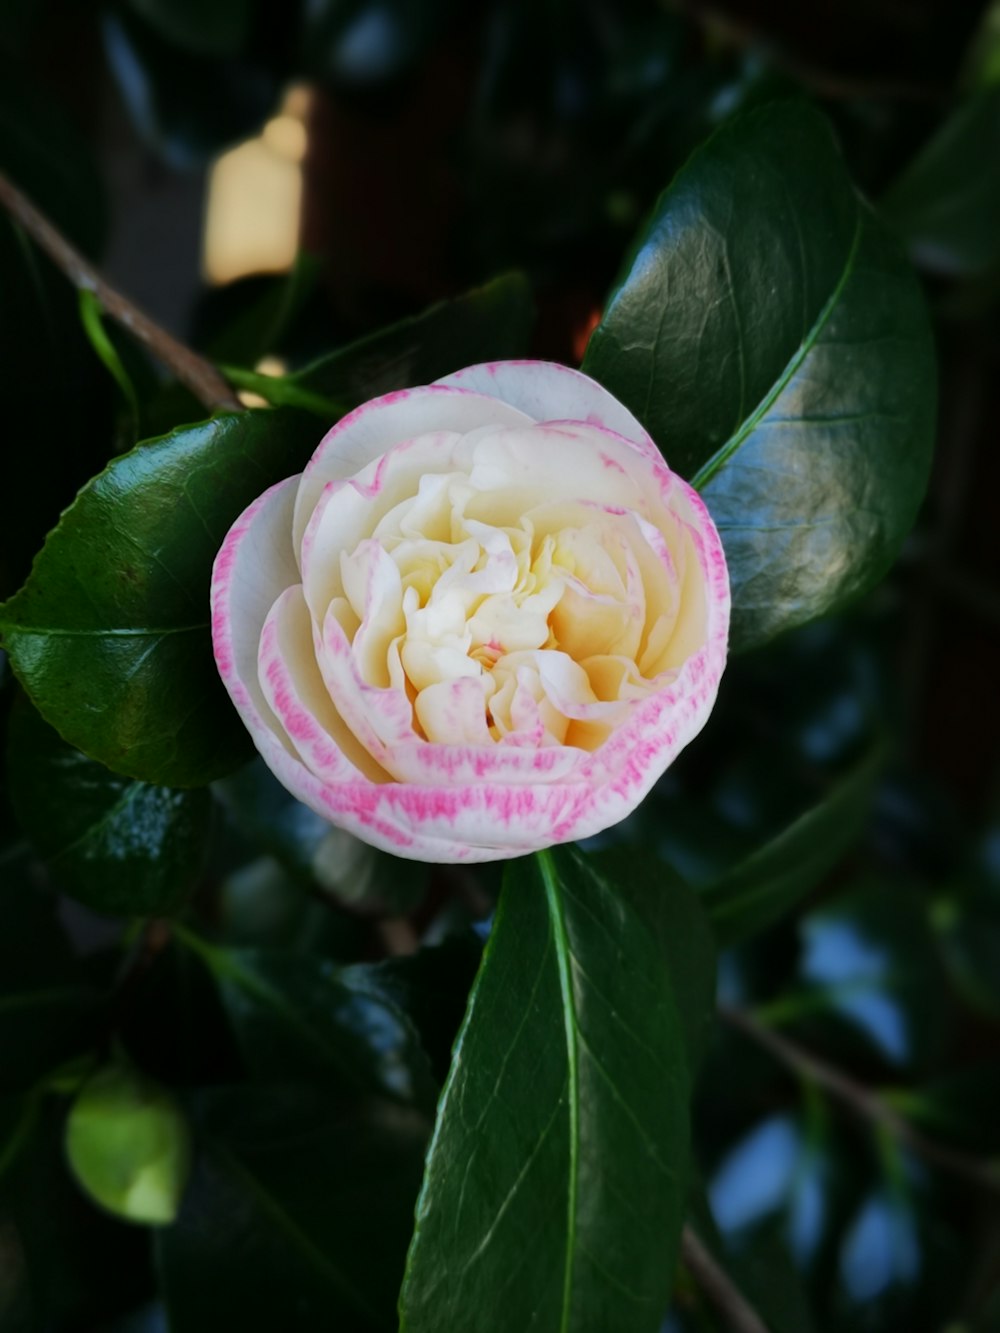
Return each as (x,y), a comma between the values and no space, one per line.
(547,391)
(253,568)
(367,432)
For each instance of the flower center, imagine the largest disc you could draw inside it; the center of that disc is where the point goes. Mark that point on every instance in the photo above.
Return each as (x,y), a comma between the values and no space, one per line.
(538,614)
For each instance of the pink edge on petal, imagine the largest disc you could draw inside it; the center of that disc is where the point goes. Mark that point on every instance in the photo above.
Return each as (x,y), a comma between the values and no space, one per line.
(548,391)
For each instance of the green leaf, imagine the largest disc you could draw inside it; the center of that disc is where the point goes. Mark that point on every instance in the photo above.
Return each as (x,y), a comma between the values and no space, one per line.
(555,1183)
(772,339)
(118,845)
(296,1219)
(110,636)
(301,1017)
(491,323)
(91,315)
(778,875)
(946,203)
(219,28)
(684,934)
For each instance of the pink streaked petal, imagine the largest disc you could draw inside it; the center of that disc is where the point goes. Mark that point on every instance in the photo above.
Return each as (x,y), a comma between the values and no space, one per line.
(253,568)
(547,391)
(347,511)
(372,429)
(294,689)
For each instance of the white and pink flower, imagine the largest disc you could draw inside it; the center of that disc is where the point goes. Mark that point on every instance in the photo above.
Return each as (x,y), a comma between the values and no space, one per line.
(483,620)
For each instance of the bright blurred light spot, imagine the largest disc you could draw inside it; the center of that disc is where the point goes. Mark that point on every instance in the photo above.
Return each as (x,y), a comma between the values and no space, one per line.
(370,47)
(267,365)
(287,136)
(807,1207)
(754,1179)
(254,209)
(880,1250)
(271,365)
(859,973)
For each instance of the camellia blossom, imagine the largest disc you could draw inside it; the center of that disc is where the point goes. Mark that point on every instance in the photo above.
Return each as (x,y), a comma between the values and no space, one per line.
(483,620)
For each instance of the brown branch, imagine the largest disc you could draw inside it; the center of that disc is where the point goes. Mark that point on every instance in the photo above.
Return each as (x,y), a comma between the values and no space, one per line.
(864,1102)
(718,1287)
(193,371)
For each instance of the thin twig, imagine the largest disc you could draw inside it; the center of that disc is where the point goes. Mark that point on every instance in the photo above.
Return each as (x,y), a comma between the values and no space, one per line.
(718,1287)
(864,1102)
(193,371)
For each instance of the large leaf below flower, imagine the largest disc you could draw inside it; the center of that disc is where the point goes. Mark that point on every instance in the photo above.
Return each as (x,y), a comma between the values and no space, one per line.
(110,635)
(554,1187)
(772,338)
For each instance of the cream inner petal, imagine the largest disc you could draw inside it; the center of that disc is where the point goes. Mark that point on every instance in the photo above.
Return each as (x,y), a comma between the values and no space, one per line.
(454,601)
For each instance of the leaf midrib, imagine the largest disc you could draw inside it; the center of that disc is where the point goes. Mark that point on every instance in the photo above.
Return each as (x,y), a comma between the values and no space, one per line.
(562,948)
(133,632)
(722,456)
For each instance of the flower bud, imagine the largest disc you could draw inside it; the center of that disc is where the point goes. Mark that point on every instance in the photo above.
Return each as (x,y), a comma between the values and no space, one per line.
(128,1145)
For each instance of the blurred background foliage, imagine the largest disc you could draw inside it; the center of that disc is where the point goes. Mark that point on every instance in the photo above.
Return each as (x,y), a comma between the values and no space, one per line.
(840,817)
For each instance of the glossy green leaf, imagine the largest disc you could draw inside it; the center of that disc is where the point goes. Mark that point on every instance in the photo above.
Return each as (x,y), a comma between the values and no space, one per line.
(946,203)
(684,934)
(301,1017)
(775,343)
(491,323)
(110,635)
(777,876)
(296,1219)
(218,28)
(554,1187)
(118,845)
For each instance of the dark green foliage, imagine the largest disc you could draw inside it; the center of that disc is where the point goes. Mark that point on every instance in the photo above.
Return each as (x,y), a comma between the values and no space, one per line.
(765,1006)
(110,636)
(561,1142)
(773,341)
(118,845)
